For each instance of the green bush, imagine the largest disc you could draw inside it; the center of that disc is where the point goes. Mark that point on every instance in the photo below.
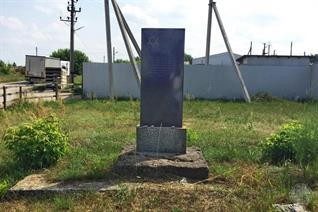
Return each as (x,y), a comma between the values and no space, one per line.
(294,142)
(6,68)
(264,97)
(307,145)
(280,146)
(4,187)
(39,144)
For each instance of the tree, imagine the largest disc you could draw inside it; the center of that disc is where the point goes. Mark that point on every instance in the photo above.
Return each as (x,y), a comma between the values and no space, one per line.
(79,58)
(137,59)
(122,61)
(188,58)
(6,68)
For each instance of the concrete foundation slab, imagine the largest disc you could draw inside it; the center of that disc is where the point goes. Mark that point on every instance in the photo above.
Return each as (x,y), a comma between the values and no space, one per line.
(191,165)
(161,139)
(37,184)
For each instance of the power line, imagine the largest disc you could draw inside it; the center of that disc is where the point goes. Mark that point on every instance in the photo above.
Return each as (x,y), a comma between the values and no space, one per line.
(72,19)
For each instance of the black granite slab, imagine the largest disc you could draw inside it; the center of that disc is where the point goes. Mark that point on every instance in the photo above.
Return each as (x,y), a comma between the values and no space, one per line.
(162,74)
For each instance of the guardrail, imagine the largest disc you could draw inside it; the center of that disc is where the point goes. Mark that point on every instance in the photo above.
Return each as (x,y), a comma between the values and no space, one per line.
(12,94)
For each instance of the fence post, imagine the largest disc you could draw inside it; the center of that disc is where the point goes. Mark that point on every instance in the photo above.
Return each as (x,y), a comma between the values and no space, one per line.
(56,91)
(20,93)
(4,97)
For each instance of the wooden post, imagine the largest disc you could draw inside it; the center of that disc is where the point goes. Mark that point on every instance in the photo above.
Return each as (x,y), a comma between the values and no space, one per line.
(20,93)
(4,97)
(56,91)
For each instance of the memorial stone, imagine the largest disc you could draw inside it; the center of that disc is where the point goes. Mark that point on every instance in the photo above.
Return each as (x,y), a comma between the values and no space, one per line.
(161,140)
(162,74)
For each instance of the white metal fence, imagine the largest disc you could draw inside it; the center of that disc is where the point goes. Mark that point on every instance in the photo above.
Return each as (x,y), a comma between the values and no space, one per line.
(211,82)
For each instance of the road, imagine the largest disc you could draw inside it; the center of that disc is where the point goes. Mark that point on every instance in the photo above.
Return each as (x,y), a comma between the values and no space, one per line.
(20,83)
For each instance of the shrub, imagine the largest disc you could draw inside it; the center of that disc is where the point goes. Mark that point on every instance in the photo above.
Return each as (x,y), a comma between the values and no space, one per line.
(4,187)
(295,142)
(307,145)
(39,144)
(280,146)
(6,68)
(264,97)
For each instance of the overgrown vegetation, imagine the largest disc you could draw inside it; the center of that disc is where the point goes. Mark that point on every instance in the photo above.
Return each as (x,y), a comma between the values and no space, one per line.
(282,145)
(4,186)
(229,134)
(39,144)
(8,73)
(6,68)
(264,97)
(295,143)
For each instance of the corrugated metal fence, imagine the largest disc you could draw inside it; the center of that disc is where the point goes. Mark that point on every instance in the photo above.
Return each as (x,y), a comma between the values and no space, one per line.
(212,82)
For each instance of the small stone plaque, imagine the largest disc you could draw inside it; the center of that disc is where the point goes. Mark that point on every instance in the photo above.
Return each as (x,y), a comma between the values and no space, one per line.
(162,73)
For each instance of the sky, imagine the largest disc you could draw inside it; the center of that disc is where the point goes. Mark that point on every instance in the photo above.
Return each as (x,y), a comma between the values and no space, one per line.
(25,24)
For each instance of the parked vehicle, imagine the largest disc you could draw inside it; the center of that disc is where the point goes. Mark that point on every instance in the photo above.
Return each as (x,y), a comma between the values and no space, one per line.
(40,69)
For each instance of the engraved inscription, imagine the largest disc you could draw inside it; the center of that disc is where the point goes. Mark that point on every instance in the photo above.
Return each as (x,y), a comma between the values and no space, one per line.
(162,77)
(153,41)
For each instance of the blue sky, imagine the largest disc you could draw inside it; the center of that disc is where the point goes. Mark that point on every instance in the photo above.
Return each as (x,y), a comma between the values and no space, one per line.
(25,24)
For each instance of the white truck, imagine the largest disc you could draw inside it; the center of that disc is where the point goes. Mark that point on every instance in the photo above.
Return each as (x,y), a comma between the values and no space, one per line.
(44,69)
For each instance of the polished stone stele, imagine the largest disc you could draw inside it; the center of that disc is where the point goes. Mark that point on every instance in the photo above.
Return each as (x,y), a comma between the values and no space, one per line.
(162,74)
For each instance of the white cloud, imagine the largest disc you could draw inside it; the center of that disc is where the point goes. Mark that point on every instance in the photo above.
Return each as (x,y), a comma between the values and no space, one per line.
(43,9)
(139,16)
(12,23)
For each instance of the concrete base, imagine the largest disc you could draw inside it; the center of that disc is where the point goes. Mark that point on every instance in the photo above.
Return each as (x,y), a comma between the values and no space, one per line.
(161,139)
(191,165)
(37,184)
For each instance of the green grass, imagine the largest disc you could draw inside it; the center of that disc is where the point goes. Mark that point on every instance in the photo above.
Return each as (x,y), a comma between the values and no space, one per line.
(12,77)
(78,80)
(228,133)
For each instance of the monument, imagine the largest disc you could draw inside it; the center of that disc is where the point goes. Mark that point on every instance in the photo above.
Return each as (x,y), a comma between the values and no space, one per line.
(161,139)
(161,92)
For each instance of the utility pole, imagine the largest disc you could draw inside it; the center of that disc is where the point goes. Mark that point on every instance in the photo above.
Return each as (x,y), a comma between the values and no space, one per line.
(127,44)
(229,49)
(114,52)
(72,19)
(251,49)
(291,48)
(109,50)
(208,36)
(36,51)
(264,49)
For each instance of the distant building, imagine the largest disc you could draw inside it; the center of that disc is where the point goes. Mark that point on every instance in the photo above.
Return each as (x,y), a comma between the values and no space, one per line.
(221,59)
(274,60)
